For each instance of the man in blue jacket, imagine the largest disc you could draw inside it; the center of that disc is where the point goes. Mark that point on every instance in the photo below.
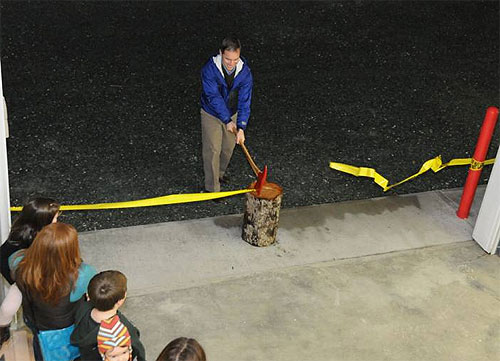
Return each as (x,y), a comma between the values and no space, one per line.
(225,108)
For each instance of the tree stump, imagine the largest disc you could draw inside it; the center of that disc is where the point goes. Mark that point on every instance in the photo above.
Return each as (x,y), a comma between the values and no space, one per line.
(262,214)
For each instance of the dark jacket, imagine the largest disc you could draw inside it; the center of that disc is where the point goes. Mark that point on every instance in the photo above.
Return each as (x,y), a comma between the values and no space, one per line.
(218,100)
(6,250)
(42,316)
(85,335)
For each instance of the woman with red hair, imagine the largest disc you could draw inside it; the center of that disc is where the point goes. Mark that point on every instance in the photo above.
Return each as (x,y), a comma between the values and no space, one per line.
(52,279)
(35,215)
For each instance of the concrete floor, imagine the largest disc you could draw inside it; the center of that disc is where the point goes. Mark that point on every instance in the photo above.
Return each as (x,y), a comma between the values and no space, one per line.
(392,278)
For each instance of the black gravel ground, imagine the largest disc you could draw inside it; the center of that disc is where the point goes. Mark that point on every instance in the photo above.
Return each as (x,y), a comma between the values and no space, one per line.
(103,97)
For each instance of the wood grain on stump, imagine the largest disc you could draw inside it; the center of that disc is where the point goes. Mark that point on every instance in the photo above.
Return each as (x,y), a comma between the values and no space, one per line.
(262,214)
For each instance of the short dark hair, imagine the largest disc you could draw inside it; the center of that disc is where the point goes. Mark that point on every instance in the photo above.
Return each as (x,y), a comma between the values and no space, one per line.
(107,288)
(182,349)
(230,43)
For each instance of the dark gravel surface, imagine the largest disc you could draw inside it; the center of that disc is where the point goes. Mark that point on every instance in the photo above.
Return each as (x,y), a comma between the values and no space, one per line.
(104,97)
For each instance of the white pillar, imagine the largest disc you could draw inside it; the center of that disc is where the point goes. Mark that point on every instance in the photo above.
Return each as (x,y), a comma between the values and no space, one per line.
(4,173)
(487,229)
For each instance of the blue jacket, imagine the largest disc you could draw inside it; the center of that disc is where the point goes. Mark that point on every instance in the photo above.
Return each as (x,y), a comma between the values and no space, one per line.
(215,93)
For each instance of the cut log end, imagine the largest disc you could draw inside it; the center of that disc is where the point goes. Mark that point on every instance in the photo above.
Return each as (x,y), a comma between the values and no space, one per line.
(269,191)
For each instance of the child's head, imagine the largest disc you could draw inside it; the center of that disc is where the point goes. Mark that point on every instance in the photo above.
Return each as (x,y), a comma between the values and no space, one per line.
(182,349)
(113,340)
(106,289)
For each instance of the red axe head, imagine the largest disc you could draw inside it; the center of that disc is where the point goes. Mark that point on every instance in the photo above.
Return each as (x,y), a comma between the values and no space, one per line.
(261,180)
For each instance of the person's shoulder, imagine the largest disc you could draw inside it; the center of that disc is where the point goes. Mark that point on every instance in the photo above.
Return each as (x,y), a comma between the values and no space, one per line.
(85,274)
(245,70)
(246,74)
(84,310)
(15,258)
(126,321)
(85,327)
(123,318)
(7,249)
(83,318)
(135,334)
(87,270)
(246,64)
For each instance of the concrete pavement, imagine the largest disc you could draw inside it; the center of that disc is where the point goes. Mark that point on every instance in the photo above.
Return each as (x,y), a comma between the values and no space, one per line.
(391,278)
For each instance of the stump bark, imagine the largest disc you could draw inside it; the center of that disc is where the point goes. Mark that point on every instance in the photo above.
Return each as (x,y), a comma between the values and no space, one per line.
(262,214)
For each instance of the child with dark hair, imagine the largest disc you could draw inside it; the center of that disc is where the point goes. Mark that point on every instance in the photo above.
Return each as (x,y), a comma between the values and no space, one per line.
(182,349)
(105,295)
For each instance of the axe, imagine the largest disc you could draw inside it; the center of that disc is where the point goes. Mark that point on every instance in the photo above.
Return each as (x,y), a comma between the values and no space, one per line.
(261,175)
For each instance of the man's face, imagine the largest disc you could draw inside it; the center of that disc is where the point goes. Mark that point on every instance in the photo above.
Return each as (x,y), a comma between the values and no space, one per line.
(230,58)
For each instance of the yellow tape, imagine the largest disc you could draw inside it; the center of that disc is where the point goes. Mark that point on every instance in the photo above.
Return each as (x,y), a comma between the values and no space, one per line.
(476,165)
(150,202)
(434,164)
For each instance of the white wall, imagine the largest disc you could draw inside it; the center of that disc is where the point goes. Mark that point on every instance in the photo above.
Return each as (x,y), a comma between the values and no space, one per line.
(487,228)
(4,176)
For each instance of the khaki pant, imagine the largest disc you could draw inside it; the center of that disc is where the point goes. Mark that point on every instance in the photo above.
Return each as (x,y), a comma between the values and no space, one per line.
(218,146)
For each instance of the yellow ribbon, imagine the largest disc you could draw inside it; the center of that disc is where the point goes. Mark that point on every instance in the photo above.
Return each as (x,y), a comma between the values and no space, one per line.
(434,164)
(150,202)
(476,165)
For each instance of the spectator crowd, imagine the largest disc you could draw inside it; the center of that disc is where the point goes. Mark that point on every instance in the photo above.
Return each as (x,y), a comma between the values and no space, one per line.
(72,311)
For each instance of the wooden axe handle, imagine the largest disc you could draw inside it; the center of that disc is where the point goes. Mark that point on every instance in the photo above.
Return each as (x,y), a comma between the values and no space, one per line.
(254,167)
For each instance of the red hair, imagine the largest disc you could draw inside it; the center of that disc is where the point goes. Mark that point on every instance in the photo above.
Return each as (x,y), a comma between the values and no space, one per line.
(49,268)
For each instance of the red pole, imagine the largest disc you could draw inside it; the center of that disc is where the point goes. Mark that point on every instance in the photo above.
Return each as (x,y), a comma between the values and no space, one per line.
(478,158)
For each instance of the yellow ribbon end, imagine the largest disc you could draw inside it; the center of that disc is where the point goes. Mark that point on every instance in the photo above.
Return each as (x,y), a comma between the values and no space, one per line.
(434,164)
